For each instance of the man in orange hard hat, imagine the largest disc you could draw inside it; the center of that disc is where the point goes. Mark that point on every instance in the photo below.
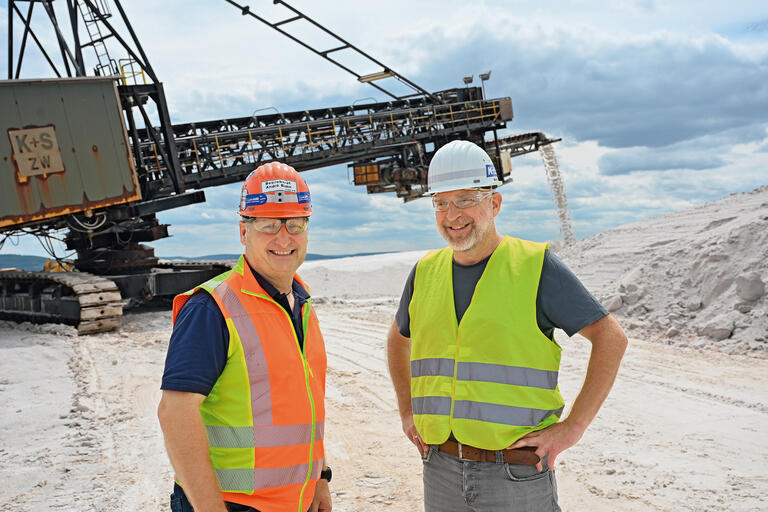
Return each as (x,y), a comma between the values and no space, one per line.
(242,409)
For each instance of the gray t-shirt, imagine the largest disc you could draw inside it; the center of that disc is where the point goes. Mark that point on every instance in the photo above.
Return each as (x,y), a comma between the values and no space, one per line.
(562,301)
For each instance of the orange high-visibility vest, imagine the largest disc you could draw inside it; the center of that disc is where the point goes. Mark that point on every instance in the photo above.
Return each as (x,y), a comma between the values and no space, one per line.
(265,415)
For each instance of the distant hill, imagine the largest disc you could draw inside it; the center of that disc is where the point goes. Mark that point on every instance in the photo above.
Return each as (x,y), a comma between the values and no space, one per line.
(35,263)
(310,256)
(22,261)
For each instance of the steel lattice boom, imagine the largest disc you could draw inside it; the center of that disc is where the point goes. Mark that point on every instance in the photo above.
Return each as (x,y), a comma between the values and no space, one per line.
(225,151)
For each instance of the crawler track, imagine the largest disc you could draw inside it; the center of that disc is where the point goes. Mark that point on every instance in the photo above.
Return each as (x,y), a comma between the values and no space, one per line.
(91,303)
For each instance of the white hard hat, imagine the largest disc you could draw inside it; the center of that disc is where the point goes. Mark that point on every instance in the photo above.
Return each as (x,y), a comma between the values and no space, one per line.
(461,164)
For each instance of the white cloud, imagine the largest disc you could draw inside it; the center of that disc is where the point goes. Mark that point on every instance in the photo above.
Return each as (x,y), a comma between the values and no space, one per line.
(630,85)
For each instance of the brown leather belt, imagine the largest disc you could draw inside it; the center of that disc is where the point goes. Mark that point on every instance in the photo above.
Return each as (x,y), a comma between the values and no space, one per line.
(525,456)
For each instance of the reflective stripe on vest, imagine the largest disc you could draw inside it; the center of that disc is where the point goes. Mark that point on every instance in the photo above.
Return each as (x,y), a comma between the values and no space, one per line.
(505,414)
(258,373)
(258,436)
(265,478)
(492,378)
(265,430)
(485,372)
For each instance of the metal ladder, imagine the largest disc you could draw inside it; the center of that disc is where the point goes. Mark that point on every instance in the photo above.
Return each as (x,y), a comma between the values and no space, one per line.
(106,65)
(343,45)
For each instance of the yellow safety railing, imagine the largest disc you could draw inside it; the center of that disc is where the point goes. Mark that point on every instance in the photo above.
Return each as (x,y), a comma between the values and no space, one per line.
(131,70)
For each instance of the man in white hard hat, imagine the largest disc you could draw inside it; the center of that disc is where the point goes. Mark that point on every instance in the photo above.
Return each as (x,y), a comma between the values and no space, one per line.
(473,357)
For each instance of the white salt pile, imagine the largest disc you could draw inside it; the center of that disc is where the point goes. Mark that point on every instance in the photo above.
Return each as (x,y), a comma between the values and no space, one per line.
(692,278)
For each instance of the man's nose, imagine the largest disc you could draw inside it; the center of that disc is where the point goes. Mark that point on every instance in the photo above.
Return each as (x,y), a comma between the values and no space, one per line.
(282,236)
(453,211)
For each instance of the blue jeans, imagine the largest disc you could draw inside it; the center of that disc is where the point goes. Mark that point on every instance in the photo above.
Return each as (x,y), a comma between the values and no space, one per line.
(180,503)
(455,485)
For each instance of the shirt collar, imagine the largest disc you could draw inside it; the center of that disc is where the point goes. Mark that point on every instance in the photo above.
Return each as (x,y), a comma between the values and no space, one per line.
(299,291)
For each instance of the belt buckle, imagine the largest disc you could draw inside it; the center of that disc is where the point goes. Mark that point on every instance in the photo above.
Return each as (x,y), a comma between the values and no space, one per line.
(461,453)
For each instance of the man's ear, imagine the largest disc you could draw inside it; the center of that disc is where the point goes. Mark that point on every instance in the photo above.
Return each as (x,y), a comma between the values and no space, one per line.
(496,202)
(243,227)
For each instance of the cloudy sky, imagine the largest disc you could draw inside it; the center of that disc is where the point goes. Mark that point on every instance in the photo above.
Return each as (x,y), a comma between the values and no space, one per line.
(660,105)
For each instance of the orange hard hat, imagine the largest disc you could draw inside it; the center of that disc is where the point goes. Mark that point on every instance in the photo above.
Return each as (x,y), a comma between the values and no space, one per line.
(275,190)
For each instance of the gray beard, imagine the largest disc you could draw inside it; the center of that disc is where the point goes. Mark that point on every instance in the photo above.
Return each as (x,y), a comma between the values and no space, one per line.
(471,241)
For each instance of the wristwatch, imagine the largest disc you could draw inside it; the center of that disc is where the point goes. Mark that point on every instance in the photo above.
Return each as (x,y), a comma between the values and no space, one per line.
(326,474)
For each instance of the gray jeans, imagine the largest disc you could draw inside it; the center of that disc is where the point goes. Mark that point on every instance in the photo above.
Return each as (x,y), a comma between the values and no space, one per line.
(454,485)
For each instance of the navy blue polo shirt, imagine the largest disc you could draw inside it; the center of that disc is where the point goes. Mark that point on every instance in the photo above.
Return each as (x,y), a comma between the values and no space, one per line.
(197,351)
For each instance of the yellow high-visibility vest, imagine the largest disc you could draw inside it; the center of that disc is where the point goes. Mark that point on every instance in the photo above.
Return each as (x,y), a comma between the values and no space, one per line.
(492,378)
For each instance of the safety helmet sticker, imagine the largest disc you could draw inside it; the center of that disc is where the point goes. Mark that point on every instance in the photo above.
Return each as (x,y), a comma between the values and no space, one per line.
(255,199)
(243,195)
(278,185)
(303,197)
(490,171)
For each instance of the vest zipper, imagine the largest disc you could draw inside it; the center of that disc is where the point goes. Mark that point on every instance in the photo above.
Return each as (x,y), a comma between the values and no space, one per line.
(307,373)
(453,383)
(307,368)
(455,360)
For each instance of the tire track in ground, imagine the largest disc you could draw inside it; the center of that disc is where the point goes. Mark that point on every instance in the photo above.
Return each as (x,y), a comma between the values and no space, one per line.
(675,433)
(357,342)
(354,354)
(355,350)
(130,366)
(93,446)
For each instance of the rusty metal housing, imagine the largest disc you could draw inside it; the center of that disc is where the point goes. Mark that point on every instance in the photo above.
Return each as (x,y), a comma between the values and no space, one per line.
(63,149)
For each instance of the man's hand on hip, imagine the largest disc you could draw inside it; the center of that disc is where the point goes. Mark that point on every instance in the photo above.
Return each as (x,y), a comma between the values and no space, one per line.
(608,345)
(551,441)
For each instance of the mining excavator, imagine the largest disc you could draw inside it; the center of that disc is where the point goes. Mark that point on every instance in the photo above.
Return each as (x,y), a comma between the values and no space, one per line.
(91,154)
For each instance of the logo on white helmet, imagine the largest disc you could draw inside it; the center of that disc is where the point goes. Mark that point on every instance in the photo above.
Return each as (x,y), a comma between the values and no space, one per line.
(490,171)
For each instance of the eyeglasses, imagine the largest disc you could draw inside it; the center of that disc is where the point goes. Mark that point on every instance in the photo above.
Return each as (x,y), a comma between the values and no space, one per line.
(294,225)
(461,202)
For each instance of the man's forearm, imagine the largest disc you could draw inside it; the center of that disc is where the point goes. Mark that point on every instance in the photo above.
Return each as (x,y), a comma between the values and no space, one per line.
(608,345)
(322,501)
(187,446)
(398,359)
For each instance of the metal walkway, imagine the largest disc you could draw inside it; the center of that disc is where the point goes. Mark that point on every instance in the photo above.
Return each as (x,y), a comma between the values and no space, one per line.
(225,151)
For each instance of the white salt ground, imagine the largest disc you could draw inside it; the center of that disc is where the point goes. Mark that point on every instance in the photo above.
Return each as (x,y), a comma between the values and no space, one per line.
(684,428)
